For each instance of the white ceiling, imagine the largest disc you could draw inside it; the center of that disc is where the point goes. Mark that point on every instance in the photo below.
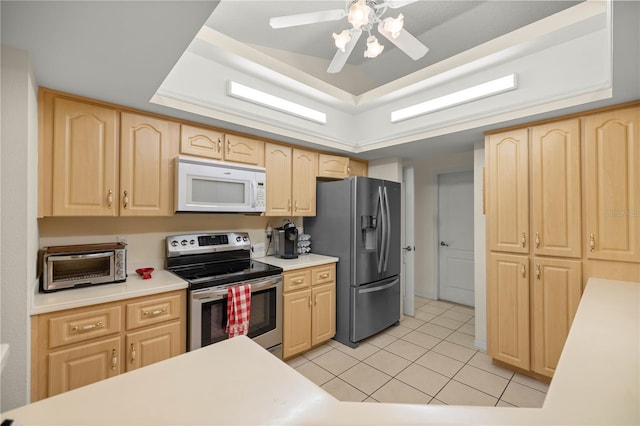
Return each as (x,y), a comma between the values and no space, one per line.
(447,27)
(121,52)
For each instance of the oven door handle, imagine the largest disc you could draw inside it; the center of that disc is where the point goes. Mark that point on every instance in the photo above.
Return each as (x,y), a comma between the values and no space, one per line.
(265,283)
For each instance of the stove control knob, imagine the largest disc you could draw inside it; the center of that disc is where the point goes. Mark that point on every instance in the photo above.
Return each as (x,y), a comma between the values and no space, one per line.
(183,242)
(238,239)
(245,239)
(192,242)
(174,243)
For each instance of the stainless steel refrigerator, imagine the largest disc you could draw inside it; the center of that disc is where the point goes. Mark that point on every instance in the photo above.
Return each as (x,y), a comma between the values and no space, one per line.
(358,220)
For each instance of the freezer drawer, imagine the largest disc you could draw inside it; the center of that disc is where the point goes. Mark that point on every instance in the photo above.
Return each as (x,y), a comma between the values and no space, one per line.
(374,307)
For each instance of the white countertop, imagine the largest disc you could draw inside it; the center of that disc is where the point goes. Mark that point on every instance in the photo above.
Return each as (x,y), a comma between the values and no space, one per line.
(303,261)
(596,382)
(160,282)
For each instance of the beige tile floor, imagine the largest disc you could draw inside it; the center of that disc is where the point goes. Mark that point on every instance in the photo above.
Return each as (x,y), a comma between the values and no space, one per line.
(427,359)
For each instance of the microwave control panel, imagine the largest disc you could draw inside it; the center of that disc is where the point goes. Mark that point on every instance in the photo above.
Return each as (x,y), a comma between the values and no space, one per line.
(260,194)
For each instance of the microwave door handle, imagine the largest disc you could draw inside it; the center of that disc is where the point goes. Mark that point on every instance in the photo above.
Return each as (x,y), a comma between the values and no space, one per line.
(252,193)
(54,258)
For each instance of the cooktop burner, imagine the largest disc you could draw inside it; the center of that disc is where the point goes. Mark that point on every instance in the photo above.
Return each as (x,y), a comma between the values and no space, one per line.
(210,260)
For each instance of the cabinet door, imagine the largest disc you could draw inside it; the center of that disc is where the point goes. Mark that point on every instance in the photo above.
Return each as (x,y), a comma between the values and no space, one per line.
(557,288)
(323,321)
(508,309)
(201,142)
(612,190)
(296,333)
(153,344)
(85,152)
(244,150)
(305,170)
(508,191)
(147,148)
(333,166)
(278,167)
(82,365)
(555,186)
(358,168)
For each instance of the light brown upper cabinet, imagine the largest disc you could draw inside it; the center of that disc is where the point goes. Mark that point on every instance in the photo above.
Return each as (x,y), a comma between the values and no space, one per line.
(97,161)
(147,148)
(555,186)
(82,142)
(210,143)
(291,181)
(333,166)
(508,191)
(358,168)
(612,191)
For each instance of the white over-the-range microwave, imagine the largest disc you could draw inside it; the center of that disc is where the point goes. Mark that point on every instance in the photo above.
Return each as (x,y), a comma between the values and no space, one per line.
(218,187)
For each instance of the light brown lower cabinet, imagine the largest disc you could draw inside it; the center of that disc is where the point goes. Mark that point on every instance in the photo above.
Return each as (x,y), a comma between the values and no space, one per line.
(309,309)
(77,347)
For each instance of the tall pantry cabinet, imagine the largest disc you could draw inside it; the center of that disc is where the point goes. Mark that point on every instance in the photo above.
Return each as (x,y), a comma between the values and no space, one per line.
(548,190)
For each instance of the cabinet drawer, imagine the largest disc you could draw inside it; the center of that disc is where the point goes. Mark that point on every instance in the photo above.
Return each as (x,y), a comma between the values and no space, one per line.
(64,330)
(153,311)
(297,280)
(323,274)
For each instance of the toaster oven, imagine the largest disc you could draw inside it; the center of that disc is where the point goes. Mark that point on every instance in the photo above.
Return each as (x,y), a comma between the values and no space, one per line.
(65,267)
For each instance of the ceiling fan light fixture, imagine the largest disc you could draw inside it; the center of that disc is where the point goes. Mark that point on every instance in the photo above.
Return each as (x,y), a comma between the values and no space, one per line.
(342,39)
(394,25)
(373,47)
(359,14)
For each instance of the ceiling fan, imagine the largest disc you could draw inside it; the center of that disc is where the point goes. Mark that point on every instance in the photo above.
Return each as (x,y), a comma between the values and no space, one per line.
(363,15)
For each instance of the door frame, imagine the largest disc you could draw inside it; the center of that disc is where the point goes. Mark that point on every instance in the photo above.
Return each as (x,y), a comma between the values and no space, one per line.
(436,225)
(408,226)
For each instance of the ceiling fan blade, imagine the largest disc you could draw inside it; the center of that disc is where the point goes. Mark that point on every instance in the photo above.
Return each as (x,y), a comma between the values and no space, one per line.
(406,42)
(307,18)
(340,58)
(395,4)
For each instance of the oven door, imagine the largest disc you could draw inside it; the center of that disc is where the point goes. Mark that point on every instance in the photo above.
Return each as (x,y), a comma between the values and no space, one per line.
(208,314)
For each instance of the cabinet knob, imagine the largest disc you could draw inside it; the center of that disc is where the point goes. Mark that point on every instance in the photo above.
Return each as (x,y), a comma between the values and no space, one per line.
(228,146)
(133,352)
(538,271)
(524,239)
(125,199)
(592,242)
(109,198)
(537,240)
(114,359)
(219,145)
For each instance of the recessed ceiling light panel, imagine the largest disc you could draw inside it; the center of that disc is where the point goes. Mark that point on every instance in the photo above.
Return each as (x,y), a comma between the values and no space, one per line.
(493,87)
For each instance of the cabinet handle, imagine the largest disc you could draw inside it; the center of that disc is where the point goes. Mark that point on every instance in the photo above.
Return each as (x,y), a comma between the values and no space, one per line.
(537,240)
(309,301)
(114,359)
(298,281)
(349,171)
(133,352)
(125,199)
(538,271)
(315,301)
(219,145)
(228,146)
(524,239)
(87,327)
(154,313)
(325,275)
(523,270)
(109,198)
(592,242)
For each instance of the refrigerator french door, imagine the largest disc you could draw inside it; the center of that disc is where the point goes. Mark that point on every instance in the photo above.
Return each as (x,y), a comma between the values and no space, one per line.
(358,221)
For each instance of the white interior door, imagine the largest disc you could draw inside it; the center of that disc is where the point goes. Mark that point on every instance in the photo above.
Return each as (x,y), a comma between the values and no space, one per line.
(455,232)
(408,248)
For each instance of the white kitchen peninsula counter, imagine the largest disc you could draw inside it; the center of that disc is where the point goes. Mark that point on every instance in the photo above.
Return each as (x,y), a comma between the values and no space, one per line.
(161,281)
(237,382)
(303,261)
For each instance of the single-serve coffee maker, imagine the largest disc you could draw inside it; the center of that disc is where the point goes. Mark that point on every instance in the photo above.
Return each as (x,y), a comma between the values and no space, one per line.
(287,240)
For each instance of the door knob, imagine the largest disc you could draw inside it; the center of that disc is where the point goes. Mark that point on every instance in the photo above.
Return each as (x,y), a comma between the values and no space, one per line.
(443,244)
(407,248)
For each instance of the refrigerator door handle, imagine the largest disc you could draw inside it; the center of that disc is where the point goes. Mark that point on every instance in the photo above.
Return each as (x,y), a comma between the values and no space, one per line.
(374,289)
(387,217)
(383,222)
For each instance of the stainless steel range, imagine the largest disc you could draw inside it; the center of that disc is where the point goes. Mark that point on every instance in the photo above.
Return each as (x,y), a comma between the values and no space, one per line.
(213,262)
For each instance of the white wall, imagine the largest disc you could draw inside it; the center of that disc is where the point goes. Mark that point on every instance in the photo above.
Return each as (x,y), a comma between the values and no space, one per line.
(18,222)
(479,239)
(387,168)
(426,220)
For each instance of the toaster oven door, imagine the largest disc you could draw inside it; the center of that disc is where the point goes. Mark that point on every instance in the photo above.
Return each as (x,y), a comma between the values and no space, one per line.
(77,270)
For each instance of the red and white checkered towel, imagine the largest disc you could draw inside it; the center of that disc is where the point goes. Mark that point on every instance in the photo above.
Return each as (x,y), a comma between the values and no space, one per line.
(238,310)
